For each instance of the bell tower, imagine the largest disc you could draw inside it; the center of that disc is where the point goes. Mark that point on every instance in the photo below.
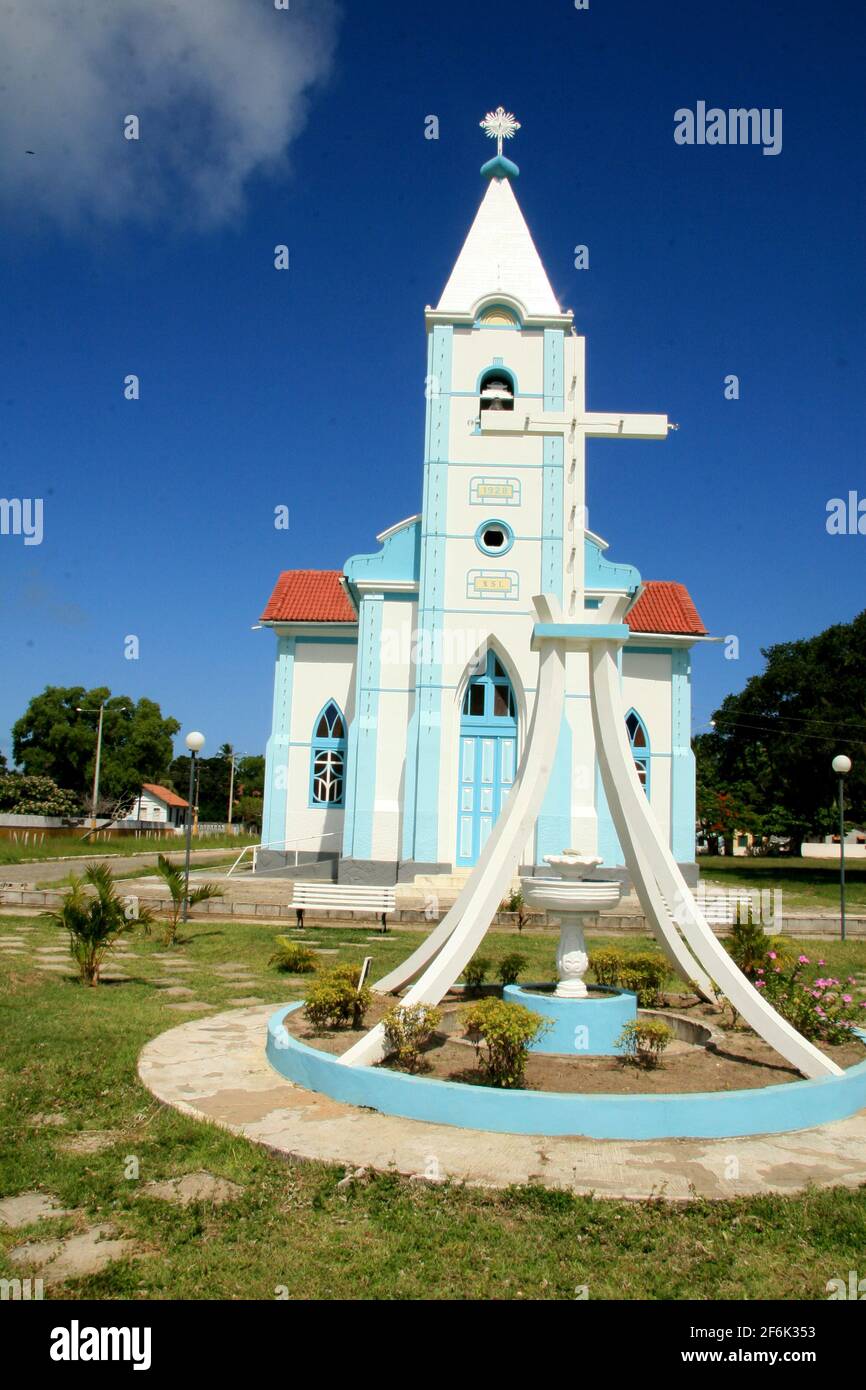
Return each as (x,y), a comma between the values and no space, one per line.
(503,494)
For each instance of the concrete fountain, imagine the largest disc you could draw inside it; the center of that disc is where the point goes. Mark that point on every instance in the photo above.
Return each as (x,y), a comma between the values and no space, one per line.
(581,1020)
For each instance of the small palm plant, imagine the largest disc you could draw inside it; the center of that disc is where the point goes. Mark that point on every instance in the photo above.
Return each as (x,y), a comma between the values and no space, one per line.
(173,877)
(94,922)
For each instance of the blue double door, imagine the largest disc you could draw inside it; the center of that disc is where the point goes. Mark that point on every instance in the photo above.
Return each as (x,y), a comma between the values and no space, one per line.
(488,757)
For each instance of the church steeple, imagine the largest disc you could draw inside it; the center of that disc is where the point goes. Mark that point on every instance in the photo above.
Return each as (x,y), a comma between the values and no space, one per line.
(499,254)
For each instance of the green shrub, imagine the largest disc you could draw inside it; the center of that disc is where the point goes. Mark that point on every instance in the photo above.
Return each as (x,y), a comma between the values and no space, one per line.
(293,957)
(503,1033)
(509,968)
(95,923)
(334,1000)
(606,964)
(822,1008)
(645,972)
(644,1040)
(516,903)
(407,1028)
(747,944)
(476,972)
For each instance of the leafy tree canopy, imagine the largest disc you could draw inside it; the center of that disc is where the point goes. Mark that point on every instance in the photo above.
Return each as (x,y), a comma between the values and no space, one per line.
(21,795)
(769,755)
(54,739)
(214,775)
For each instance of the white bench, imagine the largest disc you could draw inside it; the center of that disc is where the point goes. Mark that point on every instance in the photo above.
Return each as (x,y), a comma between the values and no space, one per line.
(720,909)
(351,897)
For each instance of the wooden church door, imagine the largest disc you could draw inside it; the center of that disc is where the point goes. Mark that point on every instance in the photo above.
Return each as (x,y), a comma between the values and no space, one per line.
(488,755)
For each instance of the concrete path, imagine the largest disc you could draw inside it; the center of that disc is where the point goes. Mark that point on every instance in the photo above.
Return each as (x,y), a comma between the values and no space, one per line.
(43,870)
(215,1069)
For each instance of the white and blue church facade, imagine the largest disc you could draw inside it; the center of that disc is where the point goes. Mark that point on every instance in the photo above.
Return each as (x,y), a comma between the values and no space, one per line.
(404,682)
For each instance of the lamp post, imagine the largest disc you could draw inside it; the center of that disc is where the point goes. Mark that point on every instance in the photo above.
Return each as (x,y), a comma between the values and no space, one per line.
(95,798)
(194,742)
(842,766)
(231,786)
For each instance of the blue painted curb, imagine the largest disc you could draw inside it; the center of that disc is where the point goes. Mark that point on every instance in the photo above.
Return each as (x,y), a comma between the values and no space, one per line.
(580,1027)
(703,1115)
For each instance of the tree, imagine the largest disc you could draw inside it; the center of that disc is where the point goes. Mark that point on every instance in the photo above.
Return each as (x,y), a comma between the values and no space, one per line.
(250,776)
(174,879)
(249,810)
(214,778)
(35,796)
(95,923)
(53,739)
(773,743)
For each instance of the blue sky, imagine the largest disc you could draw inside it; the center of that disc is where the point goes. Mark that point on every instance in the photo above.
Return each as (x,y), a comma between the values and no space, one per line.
(261,388)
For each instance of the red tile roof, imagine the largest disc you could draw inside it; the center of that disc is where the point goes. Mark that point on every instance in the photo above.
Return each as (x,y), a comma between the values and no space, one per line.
(666,607)
(170,798)
(309,596)
(316,596)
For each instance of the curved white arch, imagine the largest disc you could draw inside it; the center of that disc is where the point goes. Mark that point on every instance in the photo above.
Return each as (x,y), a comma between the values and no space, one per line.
(657,875)
(451,945)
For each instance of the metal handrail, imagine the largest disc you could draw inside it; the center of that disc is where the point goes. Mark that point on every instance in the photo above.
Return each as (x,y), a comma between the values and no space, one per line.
(282,845)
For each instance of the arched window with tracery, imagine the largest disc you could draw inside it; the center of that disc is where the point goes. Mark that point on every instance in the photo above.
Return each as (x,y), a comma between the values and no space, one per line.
(328,762)
(640,748)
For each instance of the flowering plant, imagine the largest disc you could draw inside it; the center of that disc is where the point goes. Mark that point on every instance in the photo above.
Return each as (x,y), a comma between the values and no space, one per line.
(822,1009)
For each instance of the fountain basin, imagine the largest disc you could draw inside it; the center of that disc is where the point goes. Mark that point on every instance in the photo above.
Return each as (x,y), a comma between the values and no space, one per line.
(560,895)
(587,1027)
(573,899)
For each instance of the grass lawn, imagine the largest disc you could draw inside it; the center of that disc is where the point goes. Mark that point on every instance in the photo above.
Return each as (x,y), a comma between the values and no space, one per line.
(72,847)
(806,884)
(71,1052)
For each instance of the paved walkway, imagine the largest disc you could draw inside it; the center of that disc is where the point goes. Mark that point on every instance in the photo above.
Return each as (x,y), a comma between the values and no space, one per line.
(43,870)
(215,1069)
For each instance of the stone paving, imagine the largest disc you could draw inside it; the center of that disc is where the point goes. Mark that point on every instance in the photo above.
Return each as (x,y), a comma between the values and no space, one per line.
(215,1069)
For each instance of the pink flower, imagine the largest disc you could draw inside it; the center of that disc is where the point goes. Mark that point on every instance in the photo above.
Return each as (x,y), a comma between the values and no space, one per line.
(846,999)
(760,984)
(760,969)
(771,955)
(822,962)
(802,960)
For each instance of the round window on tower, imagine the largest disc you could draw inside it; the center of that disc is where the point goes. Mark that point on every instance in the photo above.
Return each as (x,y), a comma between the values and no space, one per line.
(494,537)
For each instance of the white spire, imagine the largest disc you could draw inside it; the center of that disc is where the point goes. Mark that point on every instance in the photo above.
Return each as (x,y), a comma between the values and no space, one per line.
(499,255)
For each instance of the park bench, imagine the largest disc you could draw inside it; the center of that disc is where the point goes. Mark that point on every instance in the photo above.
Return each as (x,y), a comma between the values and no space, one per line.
(349,897)
(720,909)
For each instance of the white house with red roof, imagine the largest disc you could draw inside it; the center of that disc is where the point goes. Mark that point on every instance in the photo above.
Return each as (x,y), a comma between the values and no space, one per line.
(404,682)
(158,806)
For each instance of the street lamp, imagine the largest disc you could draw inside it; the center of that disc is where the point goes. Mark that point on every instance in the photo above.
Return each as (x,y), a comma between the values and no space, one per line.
(79,709)
(842,766)
(194,742)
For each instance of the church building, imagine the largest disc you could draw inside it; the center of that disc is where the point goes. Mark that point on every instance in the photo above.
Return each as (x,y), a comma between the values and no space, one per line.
(404,682)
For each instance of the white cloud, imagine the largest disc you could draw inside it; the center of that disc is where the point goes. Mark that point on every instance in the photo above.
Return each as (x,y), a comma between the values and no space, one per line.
(221,89)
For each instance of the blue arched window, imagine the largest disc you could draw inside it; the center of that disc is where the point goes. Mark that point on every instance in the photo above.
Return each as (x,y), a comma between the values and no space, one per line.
(328,761)
(640,748)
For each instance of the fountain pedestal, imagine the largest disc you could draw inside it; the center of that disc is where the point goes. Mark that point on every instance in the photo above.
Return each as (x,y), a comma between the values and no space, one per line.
(580,1023)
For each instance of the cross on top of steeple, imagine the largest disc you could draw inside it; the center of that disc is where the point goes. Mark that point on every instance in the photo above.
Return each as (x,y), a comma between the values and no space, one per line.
(499,125)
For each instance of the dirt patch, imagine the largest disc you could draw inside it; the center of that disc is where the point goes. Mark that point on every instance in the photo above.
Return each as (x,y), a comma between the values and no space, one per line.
(90,1141)
(28,1207)
(742,1061)
(194,1187)
(88,1253)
